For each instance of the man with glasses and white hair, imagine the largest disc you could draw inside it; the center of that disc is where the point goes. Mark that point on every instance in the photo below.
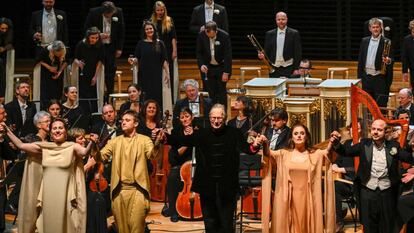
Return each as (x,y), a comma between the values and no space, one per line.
(198,104)
(405,98)
(216,178)
(407,55)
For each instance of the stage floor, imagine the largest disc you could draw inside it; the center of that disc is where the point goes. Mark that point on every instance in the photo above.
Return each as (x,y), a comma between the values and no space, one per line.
(161,224)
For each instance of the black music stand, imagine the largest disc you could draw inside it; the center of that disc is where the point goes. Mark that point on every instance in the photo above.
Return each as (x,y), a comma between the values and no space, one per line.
(14,175)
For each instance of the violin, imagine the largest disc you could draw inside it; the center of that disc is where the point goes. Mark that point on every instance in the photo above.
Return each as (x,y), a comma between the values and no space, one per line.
(99,183)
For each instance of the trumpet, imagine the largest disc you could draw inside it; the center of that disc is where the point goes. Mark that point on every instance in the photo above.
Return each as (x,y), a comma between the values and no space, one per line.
(259,48)
(385,53)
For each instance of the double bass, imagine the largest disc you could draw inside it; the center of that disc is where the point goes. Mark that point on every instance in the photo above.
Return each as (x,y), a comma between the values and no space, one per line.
(158,178)
(188,203)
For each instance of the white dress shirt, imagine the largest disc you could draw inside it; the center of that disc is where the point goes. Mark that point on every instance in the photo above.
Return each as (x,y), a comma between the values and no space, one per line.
(209,11)
(280,40)
(106,29)
(371,54)
(49,27)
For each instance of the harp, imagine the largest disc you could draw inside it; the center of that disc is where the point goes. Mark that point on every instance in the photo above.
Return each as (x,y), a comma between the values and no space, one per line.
(360,97)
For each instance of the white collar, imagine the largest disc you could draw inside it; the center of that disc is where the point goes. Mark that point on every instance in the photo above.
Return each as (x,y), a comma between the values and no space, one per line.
(206,6)
(45,12)
(21,104)
(281,30)
(375,39)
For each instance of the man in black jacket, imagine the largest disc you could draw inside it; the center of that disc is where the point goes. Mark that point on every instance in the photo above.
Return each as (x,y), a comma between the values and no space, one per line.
(109,20)
(21,111)
(216,177)
(208,11)
(370,62)
(283,47)
(407,55)
(279,131)
(214,56)
(378,177)
(48,25)
(199,105)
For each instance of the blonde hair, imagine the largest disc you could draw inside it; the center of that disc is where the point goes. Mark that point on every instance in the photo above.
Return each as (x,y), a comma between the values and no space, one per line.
(411,25)
(166,20)
(75,133)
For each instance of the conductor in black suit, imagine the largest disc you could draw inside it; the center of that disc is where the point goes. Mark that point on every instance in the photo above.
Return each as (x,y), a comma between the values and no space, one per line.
(214,56)
(283,47)
(109,20)
(20,111)
(370,62)
(200,106)
(48,25)
(407,55)
(206,12)
(378,177)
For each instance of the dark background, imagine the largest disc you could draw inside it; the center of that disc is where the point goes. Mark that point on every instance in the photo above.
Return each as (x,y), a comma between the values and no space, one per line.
(330,29)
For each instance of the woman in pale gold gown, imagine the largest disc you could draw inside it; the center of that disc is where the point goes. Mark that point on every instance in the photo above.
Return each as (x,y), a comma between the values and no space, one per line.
(58,199)
(298,205)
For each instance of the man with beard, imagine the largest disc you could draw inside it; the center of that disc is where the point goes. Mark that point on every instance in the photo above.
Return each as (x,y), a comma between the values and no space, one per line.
(377,178)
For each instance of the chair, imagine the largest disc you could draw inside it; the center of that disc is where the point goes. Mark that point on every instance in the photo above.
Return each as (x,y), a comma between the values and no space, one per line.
(332,70)
(248,164)
(350,201)
(243,70)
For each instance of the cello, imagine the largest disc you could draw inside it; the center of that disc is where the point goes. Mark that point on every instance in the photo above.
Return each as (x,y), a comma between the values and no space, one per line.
(188,203)
(158,178)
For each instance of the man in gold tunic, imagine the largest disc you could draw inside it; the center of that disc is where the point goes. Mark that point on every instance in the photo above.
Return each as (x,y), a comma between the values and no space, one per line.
(130,186)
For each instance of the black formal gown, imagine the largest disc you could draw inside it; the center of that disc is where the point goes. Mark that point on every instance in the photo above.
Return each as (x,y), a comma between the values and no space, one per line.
(167,38)
(91,55)
(49,88)
(150,63)
(76,117)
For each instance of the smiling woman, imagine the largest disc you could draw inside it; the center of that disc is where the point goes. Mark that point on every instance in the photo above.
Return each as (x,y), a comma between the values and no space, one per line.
(62,205)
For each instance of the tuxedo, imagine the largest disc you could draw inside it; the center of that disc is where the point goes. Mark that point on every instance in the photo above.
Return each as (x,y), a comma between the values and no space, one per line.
(378,207)
(95,19)
(377,86)
(14,117)
(223,55)
(282,139)
(102,131)
(62,33)
(407,56)
(198,18)
(203,120)
(292,49)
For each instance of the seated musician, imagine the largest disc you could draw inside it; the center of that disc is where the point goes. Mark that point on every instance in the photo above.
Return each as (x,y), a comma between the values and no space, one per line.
(278,134)
(199,106)
(305,67)
(243,121)
(405,98)
(54,108)
(345,170)
(134,101)
(71,111)
(402,114)
(177,156)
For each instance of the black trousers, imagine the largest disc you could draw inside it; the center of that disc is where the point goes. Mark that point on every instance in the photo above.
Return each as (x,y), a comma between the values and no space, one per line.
(342,191)
(218,212)
(378,210)
(282,72)
(110,69)
(405,208)
(3,201)
(174,186)
(216,88)
(376,86)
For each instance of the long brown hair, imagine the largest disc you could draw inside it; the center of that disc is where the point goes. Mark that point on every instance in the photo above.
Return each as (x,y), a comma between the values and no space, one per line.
(166,20)
(308,145)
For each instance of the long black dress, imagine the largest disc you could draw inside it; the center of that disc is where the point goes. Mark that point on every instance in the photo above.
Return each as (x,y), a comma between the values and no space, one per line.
(150,63)
(167,38)
(49,88)
(91,55)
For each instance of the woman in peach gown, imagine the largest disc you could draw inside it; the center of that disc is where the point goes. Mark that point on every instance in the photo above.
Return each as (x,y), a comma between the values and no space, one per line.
(298,205)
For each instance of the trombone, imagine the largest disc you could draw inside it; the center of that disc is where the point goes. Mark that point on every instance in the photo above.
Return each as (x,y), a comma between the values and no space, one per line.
(259,48)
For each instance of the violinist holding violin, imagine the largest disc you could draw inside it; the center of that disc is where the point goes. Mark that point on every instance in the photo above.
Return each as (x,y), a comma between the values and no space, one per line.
(278,133)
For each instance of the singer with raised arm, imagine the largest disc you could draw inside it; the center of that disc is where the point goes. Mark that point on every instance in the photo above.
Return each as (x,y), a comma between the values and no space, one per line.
(130,187)
(298,205)
(59,194)
(374,63)
(378,177)
(283,46)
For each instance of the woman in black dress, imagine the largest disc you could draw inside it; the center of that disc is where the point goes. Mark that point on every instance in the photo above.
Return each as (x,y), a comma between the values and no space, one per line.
(243,120)
(166,33)
(53,63)
(151,57)
(89,56)
(71,111)
(134,101)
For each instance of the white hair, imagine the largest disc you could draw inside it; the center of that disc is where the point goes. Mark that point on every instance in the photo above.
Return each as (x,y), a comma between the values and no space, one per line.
(190,82)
